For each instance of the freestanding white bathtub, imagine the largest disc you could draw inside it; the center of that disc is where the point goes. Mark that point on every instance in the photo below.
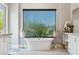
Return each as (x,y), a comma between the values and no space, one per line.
(39,43)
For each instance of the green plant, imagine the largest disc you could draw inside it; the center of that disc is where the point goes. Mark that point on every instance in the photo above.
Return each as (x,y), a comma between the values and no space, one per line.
(36,30)
(39,30)
(1,21)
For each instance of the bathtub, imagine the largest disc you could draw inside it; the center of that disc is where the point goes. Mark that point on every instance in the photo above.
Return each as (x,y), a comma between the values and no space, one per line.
(39,43)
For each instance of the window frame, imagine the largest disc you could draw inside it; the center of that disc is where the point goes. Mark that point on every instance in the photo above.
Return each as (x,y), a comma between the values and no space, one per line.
(40,10)
(6,22)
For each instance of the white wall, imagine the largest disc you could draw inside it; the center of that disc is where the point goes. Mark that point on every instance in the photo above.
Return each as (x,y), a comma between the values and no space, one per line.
(14,23)
(65,15)
(75,16)
(74,6)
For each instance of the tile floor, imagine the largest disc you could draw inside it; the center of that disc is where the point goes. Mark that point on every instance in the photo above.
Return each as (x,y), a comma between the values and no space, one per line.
(50,52)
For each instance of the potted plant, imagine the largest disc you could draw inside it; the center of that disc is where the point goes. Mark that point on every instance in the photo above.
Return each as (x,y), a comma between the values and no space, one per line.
(68,27)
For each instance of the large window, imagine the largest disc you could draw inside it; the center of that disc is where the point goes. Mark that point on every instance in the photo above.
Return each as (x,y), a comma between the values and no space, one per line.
(39,22)
(2,18)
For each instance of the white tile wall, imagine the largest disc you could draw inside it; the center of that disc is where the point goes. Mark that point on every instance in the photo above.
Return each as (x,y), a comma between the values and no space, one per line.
(75,15)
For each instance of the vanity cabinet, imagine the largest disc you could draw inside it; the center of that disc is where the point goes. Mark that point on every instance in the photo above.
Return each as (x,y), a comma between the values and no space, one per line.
(73,44)
(65,40)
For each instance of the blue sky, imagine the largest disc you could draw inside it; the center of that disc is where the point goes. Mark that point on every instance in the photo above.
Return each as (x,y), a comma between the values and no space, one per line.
(45,17)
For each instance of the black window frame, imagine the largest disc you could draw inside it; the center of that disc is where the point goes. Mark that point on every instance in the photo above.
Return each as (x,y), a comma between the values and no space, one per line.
(39,10)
